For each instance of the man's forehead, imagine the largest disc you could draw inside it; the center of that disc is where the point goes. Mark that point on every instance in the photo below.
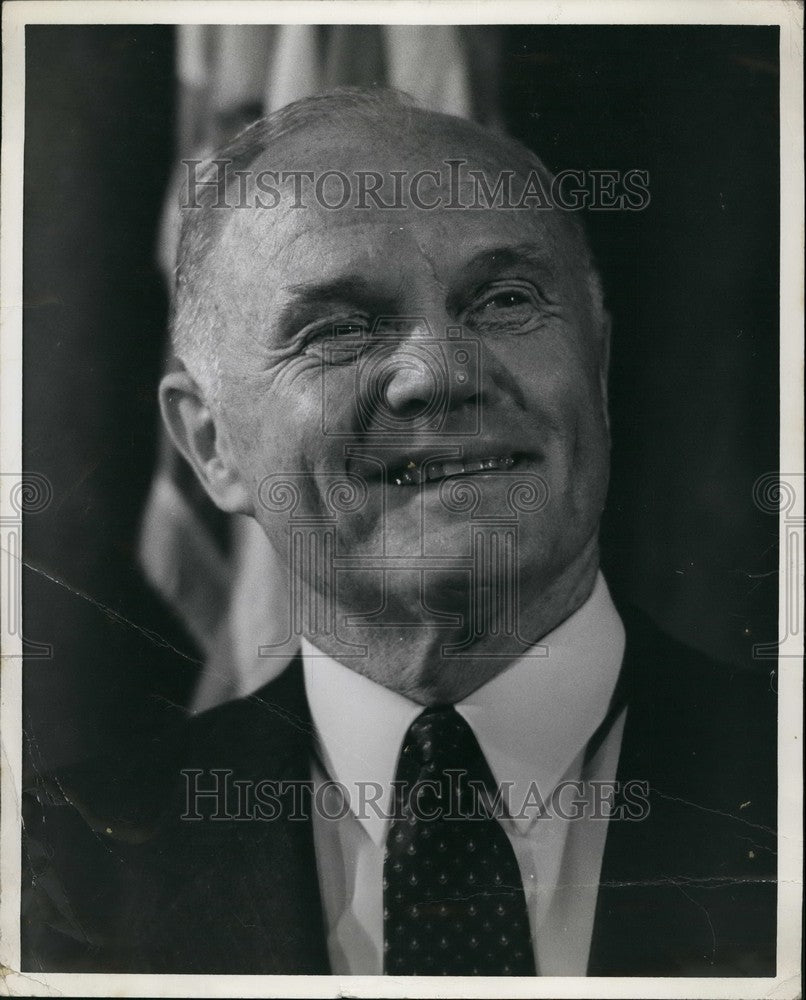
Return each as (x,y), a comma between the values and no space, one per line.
(288,247)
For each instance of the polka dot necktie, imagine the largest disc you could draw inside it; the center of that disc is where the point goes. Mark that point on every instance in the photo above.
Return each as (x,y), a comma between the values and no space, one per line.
(453,897)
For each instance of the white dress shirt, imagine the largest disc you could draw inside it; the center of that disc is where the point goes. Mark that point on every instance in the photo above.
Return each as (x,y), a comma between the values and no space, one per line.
(533,723)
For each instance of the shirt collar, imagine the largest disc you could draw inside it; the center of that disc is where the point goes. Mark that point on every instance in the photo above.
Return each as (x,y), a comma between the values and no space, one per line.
(532,721)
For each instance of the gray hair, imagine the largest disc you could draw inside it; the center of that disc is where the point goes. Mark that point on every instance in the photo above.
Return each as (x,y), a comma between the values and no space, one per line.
(194,324)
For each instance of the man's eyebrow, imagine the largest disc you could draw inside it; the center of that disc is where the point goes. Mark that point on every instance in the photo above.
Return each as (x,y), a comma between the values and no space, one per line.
(301,298)
(349,288)
(507,256)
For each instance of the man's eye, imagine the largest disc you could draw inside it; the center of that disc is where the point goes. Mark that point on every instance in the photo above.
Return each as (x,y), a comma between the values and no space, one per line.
(352,330)
(338,342)
(506,300)
(508,308)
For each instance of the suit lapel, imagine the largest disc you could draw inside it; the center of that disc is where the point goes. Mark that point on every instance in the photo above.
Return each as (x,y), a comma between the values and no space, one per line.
(242,892)
(641,912)
(279,884)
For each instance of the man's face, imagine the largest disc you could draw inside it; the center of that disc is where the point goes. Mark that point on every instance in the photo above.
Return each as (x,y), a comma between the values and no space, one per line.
(458,346)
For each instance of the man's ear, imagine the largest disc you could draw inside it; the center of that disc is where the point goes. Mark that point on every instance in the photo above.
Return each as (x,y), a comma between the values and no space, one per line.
(604,366)
(195,432)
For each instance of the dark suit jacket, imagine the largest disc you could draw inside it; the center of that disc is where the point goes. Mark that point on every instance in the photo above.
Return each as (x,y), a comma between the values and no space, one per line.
(116,881)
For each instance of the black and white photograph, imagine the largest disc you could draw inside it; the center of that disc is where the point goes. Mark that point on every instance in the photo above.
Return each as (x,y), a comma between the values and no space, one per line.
(402,499)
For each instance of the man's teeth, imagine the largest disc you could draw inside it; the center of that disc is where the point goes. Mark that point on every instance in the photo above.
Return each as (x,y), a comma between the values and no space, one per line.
(412,475)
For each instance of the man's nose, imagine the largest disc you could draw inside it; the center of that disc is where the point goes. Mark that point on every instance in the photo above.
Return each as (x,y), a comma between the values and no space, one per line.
(421,377)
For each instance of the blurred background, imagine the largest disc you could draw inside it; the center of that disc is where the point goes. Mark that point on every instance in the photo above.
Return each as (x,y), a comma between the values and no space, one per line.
(691,283)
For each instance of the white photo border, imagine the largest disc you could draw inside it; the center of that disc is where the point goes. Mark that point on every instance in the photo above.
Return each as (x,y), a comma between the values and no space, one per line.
(785,13)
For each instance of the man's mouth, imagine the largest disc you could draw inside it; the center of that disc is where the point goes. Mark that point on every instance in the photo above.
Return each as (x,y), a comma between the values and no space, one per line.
(414,473)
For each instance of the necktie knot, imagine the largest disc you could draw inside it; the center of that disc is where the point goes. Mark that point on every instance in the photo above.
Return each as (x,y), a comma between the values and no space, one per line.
(440,742)
(434,736)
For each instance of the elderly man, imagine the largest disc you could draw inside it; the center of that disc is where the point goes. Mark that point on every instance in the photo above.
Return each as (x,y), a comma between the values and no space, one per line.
(394,357)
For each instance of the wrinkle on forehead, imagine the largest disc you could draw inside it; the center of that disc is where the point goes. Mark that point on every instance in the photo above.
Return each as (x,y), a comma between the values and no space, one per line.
(424,253)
